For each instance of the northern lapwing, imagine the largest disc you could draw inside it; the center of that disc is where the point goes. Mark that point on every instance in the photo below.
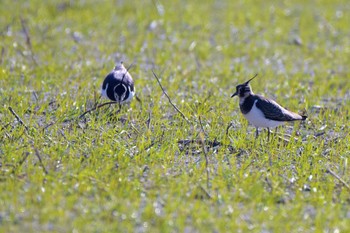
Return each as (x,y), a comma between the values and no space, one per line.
(261,111)
(118,85)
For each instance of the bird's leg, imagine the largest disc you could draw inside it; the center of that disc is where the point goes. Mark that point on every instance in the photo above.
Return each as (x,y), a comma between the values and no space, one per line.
(120,108)
(256,132)
(268,133)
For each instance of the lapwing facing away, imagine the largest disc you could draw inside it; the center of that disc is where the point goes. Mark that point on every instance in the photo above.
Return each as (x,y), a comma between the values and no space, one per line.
(260,111)
(118,85)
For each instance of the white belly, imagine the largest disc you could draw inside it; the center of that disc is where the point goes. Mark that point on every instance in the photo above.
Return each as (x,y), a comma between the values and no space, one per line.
(131,95)
(257,118)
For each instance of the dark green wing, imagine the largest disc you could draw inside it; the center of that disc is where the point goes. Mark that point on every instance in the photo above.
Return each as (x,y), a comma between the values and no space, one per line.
(274,111)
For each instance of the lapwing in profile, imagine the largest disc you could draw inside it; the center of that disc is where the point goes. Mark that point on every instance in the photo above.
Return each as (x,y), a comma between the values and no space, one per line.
(118,85)
(261,111)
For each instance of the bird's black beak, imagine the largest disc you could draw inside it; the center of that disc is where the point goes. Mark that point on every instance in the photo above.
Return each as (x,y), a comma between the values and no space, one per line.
(234,94)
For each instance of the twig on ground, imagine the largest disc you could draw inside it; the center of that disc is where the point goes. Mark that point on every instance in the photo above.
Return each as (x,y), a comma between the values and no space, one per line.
(18,118)
(40,161)
(197,141)
(328,170)
(138,100)
(166,94)
(97,107)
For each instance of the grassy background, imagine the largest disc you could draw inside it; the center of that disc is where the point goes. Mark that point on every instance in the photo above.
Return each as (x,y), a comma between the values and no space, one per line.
(128,173)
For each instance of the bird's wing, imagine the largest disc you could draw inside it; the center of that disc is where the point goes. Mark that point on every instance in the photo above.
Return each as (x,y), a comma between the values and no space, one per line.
(274,111)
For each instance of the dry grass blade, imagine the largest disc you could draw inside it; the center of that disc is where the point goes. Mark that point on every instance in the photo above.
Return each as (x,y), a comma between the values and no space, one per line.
(328,170)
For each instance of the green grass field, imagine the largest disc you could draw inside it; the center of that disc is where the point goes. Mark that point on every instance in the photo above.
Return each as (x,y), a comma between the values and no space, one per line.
(146,169)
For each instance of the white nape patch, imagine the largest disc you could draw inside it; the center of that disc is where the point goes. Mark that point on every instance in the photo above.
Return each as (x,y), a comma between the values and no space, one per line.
(256,117)
(104,91)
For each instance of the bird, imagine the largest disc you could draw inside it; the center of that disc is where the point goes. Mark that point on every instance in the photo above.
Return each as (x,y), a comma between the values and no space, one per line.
(261,111)
(118,85)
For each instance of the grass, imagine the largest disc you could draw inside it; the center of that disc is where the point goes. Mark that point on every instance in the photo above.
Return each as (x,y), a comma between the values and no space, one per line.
(128,172)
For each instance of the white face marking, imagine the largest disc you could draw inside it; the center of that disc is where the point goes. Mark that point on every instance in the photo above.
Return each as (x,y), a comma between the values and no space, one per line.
(241,100)
(104,91)
(257,118)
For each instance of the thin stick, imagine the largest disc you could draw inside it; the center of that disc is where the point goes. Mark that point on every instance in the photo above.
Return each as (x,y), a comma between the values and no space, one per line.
(97,107)
(166,94)
(18,118)
(40,161)
(205,153)
(328,170)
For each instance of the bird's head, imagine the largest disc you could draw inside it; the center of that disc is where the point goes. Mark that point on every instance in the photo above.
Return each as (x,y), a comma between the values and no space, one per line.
(243,90)
(120,67)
